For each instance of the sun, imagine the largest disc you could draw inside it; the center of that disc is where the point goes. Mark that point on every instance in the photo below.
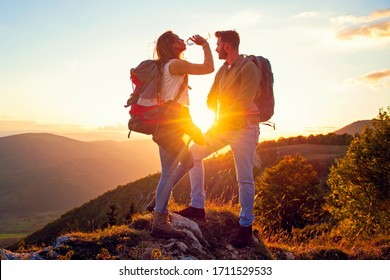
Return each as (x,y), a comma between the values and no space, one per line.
(203,118)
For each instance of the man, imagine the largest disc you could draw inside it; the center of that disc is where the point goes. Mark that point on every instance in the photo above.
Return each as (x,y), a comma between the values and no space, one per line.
(237,124)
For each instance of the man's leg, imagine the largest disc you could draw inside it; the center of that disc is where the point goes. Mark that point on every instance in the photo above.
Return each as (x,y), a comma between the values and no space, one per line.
(199,152)
(244,144)
(244,147)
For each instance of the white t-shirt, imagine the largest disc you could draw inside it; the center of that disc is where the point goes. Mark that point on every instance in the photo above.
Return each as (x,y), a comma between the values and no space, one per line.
(171,84)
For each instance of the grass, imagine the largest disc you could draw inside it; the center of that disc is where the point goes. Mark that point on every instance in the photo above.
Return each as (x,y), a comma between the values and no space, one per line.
(14,227)
(135,242)
(25,224)
(10,238)
(312,242)
(11,235)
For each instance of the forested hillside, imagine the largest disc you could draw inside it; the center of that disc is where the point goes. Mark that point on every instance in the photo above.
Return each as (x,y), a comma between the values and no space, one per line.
(220,187)
(310,203)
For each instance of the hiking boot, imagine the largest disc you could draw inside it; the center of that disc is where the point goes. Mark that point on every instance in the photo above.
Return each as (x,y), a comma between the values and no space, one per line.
(192,212)
(243,238)
(162,228)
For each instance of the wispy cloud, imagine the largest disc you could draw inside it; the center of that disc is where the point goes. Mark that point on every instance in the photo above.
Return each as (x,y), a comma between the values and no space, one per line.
(376,76)
(374,79)
(375,25)
(375,30)
(350,19)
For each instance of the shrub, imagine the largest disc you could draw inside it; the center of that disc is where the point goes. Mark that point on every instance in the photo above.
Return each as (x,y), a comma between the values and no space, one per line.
(360,183)
(288,195)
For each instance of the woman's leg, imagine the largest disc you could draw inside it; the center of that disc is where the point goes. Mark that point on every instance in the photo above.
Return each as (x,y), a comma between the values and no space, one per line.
(169,163)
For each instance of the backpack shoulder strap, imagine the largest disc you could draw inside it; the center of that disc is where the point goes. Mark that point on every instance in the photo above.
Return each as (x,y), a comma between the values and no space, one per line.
(182,87)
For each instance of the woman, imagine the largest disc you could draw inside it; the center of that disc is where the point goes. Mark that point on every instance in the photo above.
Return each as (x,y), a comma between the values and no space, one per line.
(174,154)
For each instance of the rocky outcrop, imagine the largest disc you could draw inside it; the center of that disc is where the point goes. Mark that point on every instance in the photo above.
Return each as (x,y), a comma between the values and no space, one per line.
(204,240)
(135,242)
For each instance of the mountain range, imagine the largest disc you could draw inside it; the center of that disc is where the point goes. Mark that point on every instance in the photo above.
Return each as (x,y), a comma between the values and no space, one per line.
(44,175)
(45,172)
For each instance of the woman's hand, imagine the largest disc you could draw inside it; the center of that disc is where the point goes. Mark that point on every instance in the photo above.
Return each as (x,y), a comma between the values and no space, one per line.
(197,39)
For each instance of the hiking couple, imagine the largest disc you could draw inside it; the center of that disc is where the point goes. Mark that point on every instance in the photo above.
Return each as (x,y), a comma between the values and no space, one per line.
(237,124)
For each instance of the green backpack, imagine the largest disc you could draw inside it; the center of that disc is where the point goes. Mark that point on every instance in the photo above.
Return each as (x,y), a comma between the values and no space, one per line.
(264,100)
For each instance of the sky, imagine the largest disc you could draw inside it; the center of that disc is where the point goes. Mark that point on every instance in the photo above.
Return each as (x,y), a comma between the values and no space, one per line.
(64,65)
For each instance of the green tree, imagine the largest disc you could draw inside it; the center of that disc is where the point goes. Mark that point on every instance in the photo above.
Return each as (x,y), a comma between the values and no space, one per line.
(360,182)
(131,211)
(112,214)
(288,195)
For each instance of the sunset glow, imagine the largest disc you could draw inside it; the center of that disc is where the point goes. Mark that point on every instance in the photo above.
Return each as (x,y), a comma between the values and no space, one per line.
(64,65)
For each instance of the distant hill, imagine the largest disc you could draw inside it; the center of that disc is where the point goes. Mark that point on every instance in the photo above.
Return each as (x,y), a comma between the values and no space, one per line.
(45,172)
(42,174)
(82,233)
(220,185)
(93,214)
(353,128)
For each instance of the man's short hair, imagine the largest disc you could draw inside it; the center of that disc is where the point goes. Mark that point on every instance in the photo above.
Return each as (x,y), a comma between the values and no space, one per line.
(230,36)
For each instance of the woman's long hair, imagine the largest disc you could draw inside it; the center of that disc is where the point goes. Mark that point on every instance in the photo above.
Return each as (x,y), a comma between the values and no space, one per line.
(164,52)
(164,47)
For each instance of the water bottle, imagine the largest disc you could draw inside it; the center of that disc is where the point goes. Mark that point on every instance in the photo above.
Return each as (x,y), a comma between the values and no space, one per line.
(189,42)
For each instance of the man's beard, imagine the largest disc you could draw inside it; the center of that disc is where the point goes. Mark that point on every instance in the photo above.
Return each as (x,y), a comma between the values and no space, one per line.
(222,54)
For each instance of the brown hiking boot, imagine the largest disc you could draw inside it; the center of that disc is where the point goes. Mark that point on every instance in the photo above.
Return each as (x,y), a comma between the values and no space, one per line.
(192,212)
(243,238)
(162,228)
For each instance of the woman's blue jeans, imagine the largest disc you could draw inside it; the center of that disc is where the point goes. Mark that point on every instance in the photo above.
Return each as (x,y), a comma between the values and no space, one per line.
(174,165)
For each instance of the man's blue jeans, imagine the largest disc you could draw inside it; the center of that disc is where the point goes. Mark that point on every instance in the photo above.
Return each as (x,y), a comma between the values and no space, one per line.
(243,143)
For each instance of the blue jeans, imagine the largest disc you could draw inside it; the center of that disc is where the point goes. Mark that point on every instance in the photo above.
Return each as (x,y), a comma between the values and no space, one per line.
(243,143)
(174,165)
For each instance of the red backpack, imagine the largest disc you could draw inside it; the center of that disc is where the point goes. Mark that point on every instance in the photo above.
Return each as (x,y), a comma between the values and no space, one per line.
(148,112)
(143,101)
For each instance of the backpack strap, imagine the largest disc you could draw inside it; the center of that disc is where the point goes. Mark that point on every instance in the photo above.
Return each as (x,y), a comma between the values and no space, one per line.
(182,87)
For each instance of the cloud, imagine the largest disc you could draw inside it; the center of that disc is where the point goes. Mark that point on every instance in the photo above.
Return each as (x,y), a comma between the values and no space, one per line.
(375,25)
(376,76)
(374,79)
(375,30)
(350,19)
(380,13)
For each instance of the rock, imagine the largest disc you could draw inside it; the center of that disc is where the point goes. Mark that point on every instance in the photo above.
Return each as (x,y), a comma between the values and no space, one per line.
(8,255)
(290,256)
(259,244)
(184,223)
(182,247)
(62,240)
(177,245)
(189,258)
(231,249)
